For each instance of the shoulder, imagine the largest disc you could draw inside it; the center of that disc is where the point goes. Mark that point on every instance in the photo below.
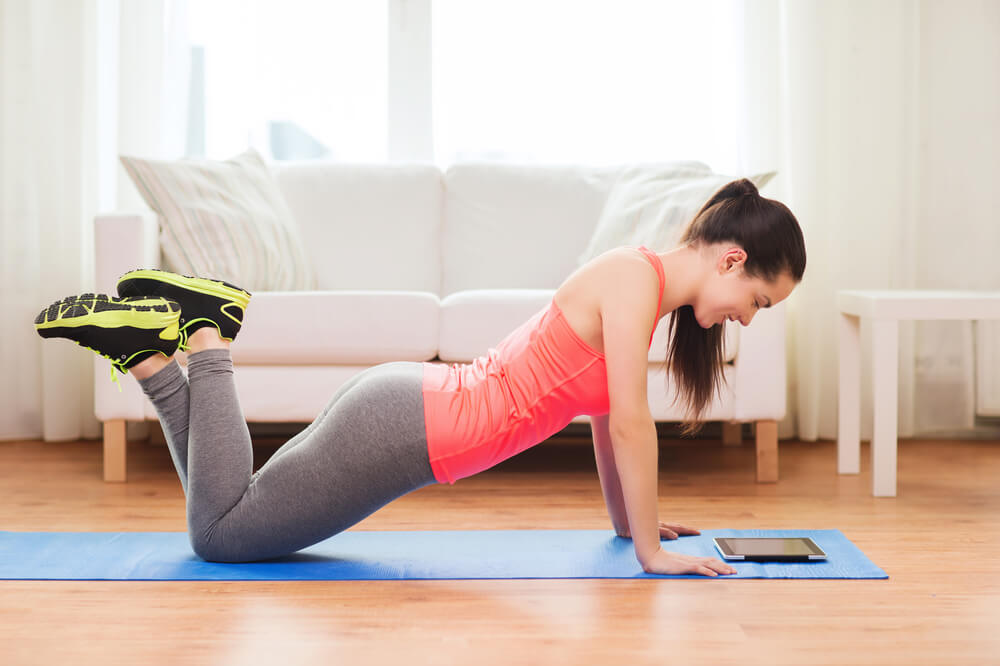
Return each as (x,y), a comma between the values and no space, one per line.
(620,283)
(628,315)
(628,280)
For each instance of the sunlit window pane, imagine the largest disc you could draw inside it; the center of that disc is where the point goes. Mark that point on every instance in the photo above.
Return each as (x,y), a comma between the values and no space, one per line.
(590,82)
(296,79)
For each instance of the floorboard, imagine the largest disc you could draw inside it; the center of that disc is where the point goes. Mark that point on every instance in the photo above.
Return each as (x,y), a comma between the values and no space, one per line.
(939,540)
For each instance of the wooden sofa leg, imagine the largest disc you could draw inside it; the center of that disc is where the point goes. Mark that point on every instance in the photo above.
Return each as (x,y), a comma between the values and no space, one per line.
(114,450)
(732,433)
(767,451)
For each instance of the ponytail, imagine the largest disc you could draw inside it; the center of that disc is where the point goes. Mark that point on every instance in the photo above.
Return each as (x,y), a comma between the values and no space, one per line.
(773,240)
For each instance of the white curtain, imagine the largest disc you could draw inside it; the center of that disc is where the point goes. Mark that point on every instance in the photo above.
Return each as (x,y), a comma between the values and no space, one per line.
(882,121)
(79,82)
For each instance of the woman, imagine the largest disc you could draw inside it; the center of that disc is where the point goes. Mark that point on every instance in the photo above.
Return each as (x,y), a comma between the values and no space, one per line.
(397,427)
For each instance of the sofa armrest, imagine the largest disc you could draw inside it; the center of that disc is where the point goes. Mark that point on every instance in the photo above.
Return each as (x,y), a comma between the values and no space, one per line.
(760,383)
(123,242)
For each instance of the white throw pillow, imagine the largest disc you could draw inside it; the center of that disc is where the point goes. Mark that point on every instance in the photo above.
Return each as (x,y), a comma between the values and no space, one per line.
(650,206)
(224,220)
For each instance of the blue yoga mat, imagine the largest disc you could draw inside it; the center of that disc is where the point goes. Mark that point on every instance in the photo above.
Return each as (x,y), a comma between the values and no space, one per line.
(398,555)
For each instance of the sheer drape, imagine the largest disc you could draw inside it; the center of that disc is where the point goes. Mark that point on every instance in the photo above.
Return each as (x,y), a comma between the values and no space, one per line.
(881,121)
(79,82)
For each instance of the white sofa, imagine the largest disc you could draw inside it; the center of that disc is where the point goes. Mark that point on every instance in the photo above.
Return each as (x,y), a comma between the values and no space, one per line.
(415,265)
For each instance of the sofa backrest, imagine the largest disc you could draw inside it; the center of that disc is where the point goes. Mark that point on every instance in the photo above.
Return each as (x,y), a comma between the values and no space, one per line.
(370,227)
(479,225)
(510,226)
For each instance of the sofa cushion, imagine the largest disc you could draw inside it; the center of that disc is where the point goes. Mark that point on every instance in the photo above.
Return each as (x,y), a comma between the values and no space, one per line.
(371,226)
(473,321)
(651,206)
(338,327)
(226,220)
(476,320)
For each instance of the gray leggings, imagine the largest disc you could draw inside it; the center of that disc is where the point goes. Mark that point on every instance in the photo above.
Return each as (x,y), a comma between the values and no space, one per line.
(367,448)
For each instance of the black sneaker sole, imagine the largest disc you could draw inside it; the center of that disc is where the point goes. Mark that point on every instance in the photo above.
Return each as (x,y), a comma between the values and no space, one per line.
(124,330)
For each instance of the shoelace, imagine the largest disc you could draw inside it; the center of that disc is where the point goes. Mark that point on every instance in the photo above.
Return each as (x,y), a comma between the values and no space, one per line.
(115,365)
(114,375)
(118,365)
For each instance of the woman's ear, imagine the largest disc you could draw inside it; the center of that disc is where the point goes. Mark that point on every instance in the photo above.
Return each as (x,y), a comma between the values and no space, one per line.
(732,259)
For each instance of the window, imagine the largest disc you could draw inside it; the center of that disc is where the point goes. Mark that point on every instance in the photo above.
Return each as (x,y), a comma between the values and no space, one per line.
(554,81)
(587,82)
(295,79)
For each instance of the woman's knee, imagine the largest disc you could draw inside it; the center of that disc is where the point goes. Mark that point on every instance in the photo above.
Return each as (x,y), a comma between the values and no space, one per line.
(205,549)
(210,548)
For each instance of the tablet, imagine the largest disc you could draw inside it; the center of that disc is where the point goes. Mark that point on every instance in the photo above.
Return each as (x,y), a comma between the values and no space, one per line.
(769,549)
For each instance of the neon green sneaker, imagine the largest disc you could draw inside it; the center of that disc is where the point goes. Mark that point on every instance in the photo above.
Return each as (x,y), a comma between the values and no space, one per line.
(123,330)
(203,302)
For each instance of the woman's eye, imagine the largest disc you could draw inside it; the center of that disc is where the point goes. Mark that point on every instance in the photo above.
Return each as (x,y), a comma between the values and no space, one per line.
(755,305)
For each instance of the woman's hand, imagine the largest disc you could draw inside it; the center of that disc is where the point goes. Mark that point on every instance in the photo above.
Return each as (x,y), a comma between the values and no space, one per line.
(663,562)
(667,531)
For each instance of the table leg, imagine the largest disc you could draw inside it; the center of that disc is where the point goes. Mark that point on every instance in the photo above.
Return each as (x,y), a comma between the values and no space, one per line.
(885,397)
(849,406)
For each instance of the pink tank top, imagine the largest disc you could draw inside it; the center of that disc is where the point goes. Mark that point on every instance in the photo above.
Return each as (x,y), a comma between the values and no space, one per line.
(537,380)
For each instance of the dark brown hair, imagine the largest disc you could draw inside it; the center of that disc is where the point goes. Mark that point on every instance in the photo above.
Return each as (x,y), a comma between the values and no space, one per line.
(772,239)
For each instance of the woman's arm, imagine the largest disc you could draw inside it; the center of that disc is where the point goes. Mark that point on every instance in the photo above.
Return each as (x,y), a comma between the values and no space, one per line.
(608,472)
(628,315)
(635,451)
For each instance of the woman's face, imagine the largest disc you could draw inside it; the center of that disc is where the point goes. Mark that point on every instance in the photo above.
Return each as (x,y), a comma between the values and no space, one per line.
(730,295)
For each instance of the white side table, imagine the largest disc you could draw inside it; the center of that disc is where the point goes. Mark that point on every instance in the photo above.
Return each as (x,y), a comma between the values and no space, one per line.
(885,309)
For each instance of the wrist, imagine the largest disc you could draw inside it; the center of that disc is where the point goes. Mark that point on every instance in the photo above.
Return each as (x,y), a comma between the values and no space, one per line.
(646,557)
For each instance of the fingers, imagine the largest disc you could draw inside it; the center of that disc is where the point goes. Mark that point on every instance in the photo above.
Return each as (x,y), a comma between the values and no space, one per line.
(721,567)
(668,563)
(710,566)
(680,529)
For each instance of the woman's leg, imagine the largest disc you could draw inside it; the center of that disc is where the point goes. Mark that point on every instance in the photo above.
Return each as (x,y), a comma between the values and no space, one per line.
(368,449)
(299,437)
(167,388)
(163,382)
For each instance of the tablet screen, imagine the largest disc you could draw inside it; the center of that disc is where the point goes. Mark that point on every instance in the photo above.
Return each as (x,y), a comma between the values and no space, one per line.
(758,547)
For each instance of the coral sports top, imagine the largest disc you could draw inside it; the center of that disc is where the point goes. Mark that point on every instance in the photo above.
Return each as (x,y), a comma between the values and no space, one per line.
(537,380)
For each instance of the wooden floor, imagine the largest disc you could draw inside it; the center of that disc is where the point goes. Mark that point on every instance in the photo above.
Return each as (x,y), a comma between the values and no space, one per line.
(939,541)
